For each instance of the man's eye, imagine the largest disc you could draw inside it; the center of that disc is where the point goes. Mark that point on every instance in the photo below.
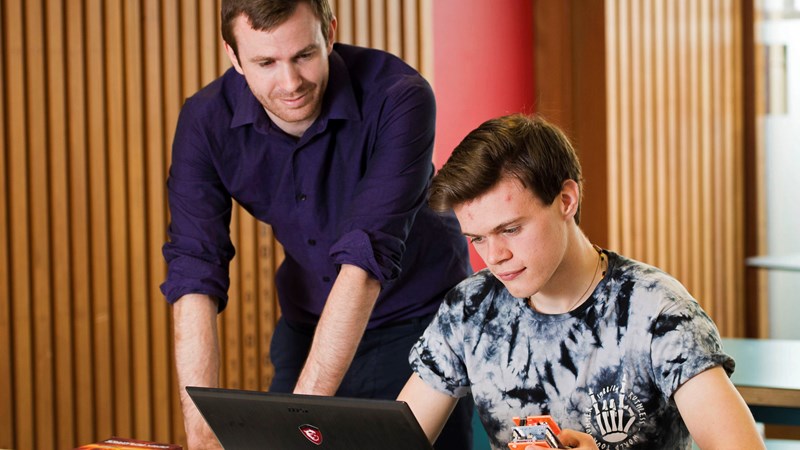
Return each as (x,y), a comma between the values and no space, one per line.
(512,230)
(265,63)
(476,239)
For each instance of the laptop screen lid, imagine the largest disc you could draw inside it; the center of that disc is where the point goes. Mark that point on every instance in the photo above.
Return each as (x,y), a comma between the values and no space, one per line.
(263,420)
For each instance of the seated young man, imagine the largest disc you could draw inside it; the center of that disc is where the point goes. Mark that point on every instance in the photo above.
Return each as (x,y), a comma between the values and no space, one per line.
(616,351)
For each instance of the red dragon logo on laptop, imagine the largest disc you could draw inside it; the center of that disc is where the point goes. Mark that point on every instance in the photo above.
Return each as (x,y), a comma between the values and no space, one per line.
(311,433)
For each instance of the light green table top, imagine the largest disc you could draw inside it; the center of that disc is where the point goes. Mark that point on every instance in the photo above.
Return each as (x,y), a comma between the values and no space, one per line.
(783,262)
(767,370)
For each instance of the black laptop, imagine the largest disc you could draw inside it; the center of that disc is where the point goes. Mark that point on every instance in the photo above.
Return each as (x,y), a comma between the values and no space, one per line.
(263,420)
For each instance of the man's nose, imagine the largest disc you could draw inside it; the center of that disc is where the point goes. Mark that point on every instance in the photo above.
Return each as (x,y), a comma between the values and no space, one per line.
(290,78)
(497,251)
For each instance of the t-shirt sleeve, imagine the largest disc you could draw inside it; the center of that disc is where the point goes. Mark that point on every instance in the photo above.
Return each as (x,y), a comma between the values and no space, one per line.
(685,342)
(438,355)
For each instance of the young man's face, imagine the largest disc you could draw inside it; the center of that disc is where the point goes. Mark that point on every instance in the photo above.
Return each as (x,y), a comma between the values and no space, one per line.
(521,240)
(286,68)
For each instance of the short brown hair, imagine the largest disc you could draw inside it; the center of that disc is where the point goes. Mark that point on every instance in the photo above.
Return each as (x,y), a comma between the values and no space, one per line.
(524,147)
(264,15)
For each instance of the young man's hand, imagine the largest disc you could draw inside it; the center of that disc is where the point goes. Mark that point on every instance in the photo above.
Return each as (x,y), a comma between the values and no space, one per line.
(578,440)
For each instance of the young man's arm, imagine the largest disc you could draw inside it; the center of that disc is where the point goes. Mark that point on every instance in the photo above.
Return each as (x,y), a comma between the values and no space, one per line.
(715,413)
(430,407)
(339,331)
(197,361)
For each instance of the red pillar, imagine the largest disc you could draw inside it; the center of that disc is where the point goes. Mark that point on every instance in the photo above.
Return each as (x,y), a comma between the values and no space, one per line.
(483,67)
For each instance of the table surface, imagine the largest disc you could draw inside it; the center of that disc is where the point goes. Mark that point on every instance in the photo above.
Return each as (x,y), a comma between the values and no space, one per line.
(767,370)
(782,444)
(783,262)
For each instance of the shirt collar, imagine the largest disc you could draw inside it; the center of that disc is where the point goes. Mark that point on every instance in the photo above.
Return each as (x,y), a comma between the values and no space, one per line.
(339,100)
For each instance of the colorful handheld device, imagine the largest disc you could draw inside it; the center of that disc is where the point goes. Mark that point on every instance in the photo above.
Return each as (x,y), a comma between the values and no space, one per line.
(535,431)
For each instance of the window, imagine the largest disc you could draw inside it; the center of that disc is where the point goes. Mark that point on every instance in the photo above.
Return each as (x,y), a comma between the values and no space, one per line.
(777,115)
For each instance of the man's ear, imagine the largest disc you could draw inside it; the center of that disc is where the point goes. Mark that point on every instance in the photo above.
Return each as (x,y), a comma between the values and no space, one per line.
(331,34)
(570,198)
(234,59)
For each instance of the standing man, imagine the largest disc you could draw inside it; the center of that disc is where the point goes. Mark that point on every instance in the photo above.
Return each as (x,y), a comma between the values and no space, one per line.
(331,145)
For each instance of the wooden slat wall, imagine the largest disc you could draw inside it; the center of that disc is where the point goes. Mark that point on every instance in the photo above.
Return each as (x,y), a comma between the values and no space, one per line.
(91,90)
(757,280)
(675,145)
(570,64)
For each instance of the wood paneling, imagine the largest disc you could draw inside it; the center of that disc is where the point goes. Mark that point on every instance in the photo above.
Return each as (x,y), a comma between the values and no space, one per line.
(91,91)
(755,207)
(652,95)
(6,355)
(675,146)
(570,92)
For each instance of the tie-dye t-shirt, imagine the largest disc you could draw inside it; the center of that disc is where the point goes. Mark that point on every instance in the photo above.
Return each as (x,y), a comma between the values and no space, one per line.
(608,368)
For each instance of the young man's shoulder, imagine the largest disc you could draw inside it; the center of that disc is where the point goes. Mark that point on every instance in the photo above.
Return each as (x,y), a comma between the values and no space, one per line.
(631,274)
(631,269)
(477,292)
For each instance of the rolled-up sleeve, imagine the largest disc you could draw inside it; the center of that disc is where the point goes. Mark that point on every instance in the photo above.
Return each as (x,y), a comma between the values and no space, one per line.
(379,218)
(199,250)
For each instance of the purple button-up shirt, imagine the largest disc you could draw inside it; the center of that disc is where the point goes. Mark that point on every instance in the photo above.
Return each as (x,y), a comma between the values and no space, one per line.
(351,190)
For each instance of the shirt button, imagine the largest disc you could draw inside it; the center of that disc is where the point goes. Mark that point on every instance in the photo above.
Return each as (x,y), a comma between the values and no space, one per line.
(312,242)
(301,197)
(326,279)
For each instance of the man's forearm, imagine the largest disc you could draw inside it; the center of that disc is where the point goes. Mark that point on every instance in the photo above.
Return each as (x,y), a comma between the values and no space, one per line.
(196,358)
(339,331)
(196,343)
